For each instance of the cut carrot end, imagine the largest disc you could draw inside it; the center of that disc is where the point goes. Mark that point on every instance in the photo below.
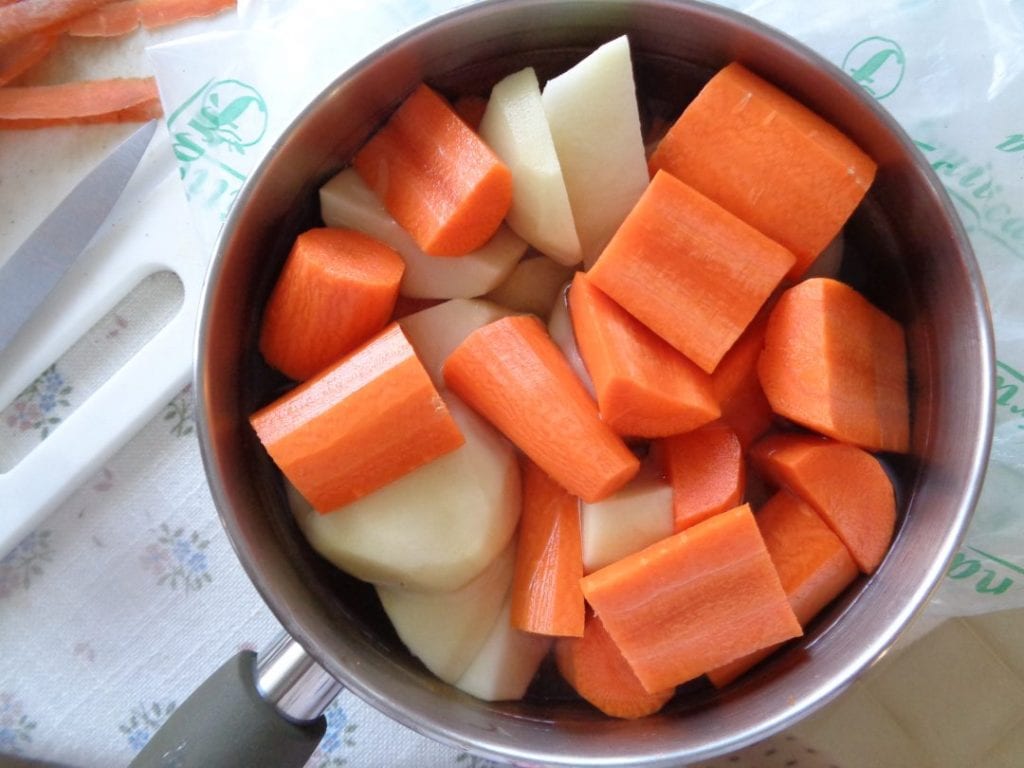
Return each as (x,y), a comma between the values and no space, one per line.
(769,160)
(512,373)
(436,177)
(645,387)
(365,421)
(546,595)
(689,270)
(707,473)
(814,567)
(836,364)
(694,601)
(846,485)
(596,669)
(338,287)
(738,389)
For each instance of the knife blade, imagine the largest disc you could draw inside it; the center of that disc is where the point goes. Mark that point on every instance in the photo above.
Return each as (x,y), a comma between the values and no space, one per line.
(35,269)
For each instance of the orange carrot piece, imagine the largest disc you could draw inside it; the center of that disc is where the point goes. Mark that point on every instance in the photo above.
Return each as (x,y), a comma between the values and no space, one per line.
(694,601)
(836,364)
(689,270)
(847,486)
(337,289)
(471,109)
(18,56)
(365,421)
(707,472)
(27,17)
(512,373)
(644,386)
(546,597)
(769,160)
(813,564)
(95,101)
(596,669)
(738,389)
(436,177)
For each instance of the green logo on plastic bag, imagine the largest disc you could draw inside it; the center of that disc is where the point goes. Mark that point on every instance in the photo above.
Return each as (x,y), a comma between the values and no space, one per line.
(985,571)
(1012,143)
(877,64)
(212,132)
(979,197)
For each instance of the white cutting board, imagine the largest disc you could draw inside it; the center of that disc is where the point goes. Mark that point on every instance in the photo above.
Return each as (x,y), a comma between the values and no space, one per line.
(148,231)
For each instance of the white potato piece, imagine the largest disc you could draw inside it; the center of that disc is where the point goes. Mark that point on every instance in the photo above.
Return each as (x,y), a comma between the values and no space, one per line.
(346,201)
(515,127)
(595,122)
(446,630)
(433,529)
(506,663)
(561,332)
(533,286)
(627,521)
(436,331)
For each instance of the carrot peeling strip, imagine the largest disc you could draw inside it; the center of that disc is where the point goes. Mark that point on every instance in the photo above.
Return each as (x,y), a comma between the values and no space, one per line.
(125,16)
(19,56)
(118,100)
(836,364)
(689,270)
(161,13)
(645,387)
(596,669)
(111,20)
(846,485)
(769,160)
(436,177)
(371,418)
(26,17)
(337,288)
(813,564)
(546,596)
(707,471)
(513,374)
(694,601)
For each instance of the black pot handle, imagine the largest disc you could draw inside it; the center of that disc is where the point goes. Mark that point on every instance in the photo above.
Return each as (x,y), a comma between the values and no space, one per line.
(248,714)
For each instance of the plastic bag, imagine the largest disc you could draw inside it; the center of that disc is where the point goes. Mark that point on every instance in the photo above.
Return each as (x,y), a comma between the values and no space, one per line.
(951,73)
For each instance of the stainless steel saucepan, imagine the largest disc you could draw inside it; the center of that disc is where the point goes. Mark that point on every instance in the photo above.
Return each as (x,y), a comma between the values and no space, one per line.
(905,249)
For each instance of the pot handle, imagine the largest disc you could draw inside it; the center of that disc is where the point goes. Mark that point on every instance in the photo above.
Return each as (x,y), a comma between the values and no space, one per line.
(250,712)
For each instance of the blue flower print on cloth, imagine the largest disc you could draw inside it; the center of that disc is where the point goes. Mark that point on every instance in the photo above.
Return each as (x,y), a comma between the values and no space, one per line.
(178,560)
(15,726)
(39,408)
(143,721)
(337,739)
(24,562)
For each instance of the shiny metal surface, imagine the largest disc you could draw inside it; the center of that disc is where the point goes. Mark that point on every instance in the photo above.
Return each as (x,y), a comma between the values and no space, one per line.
(33,271)
(291,680)
(908,253)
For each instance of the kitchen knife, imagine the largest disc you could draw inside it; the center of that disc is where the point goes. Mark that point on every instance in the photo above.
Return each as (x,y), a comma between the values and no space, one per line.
(32,272)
